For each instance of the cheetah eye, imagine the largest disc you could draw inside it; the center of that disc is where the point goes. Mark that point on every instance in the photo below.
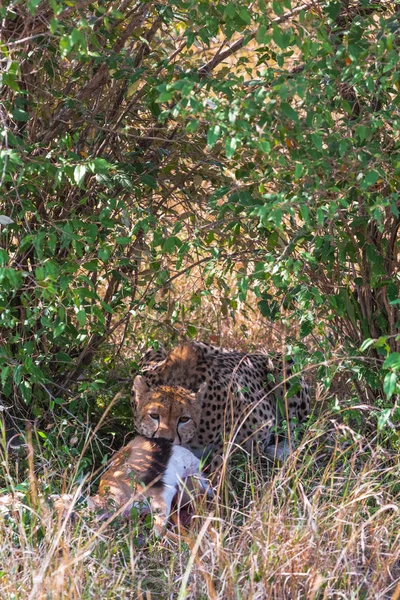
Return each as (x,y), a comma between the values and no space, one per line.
(154,416)
(184,419)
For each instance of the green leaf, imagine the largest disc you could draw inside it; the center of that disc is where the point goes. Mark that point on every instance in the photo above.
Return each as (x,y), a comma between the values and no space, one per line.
(370,178)
(18,374)
(123,241)
(269,309)
(191,331)
(78,38)
(99,165)
(106,307)
(298,171)
(261,34)
(317,140)
(289,112)
(366,344)
(392,361)
(59,400)
(171,243)
(26,391)
(392,291)
(52,242)
(91,265)
(79,174)
(12,156)
(389,384)
(81,317)
(15,278)
(245,15)
(230,10)
(104,254)
(213,135)
(381,342)
(62,357)
(92,231)
(376,260)
(65,45)
(281,37)
(149,180)
(59,329)
(306,327)
(32,6)
(230,146)
(4,258)
(384,418)
(5,373)
(305,213)
(294,389)
(277,7)
(190,38)
(20,115)
(265,146)
(164,97)
(333,9)
(54,24)
(343,147)
(192,125)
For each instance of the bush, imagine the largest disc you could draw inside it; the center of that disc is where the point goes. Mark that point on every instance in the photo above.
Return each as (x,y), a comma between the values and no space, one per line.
(253,145)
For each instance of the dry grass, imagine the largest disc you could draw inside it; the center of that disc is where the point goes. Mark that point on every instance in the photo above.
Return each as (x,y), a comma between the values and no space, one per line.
(325,525)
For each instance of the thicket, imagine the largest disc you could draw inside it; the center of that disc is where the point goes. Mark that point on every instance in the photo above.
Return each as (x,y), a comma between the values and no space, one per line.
(225,171)
(154,155)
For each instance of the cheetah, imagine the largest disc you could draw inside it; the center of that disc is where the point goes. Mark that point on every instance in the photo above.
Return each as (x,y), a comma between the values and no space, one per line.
(200,396)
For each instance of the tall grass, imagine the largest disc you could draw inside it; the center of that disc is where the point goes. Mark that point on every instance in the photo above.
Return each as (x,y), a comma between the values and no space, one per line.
(324,525)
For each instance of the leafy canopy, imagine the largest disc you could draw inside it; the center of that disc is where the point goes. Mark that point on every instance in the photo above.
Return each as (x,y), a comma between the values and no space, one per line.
(254,143)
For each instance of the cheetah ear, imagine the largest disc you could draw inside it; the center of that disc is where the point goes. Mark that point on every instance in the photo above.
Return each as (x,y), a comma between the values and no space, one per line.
(140,387)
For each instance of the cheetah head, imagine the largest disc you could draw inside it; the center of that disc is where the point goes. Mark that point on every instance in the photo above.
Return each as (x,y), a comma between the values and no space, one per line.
(168,412)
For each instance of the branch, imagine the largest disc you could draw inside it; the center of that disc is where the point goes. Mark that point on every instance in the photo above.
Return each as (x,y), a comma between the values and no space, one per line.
(61,119)
(219,58)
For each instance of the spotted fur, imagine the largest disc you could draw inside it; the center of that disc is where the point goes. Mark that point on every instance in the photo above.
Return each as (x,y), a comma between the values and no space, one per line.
(240,396)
